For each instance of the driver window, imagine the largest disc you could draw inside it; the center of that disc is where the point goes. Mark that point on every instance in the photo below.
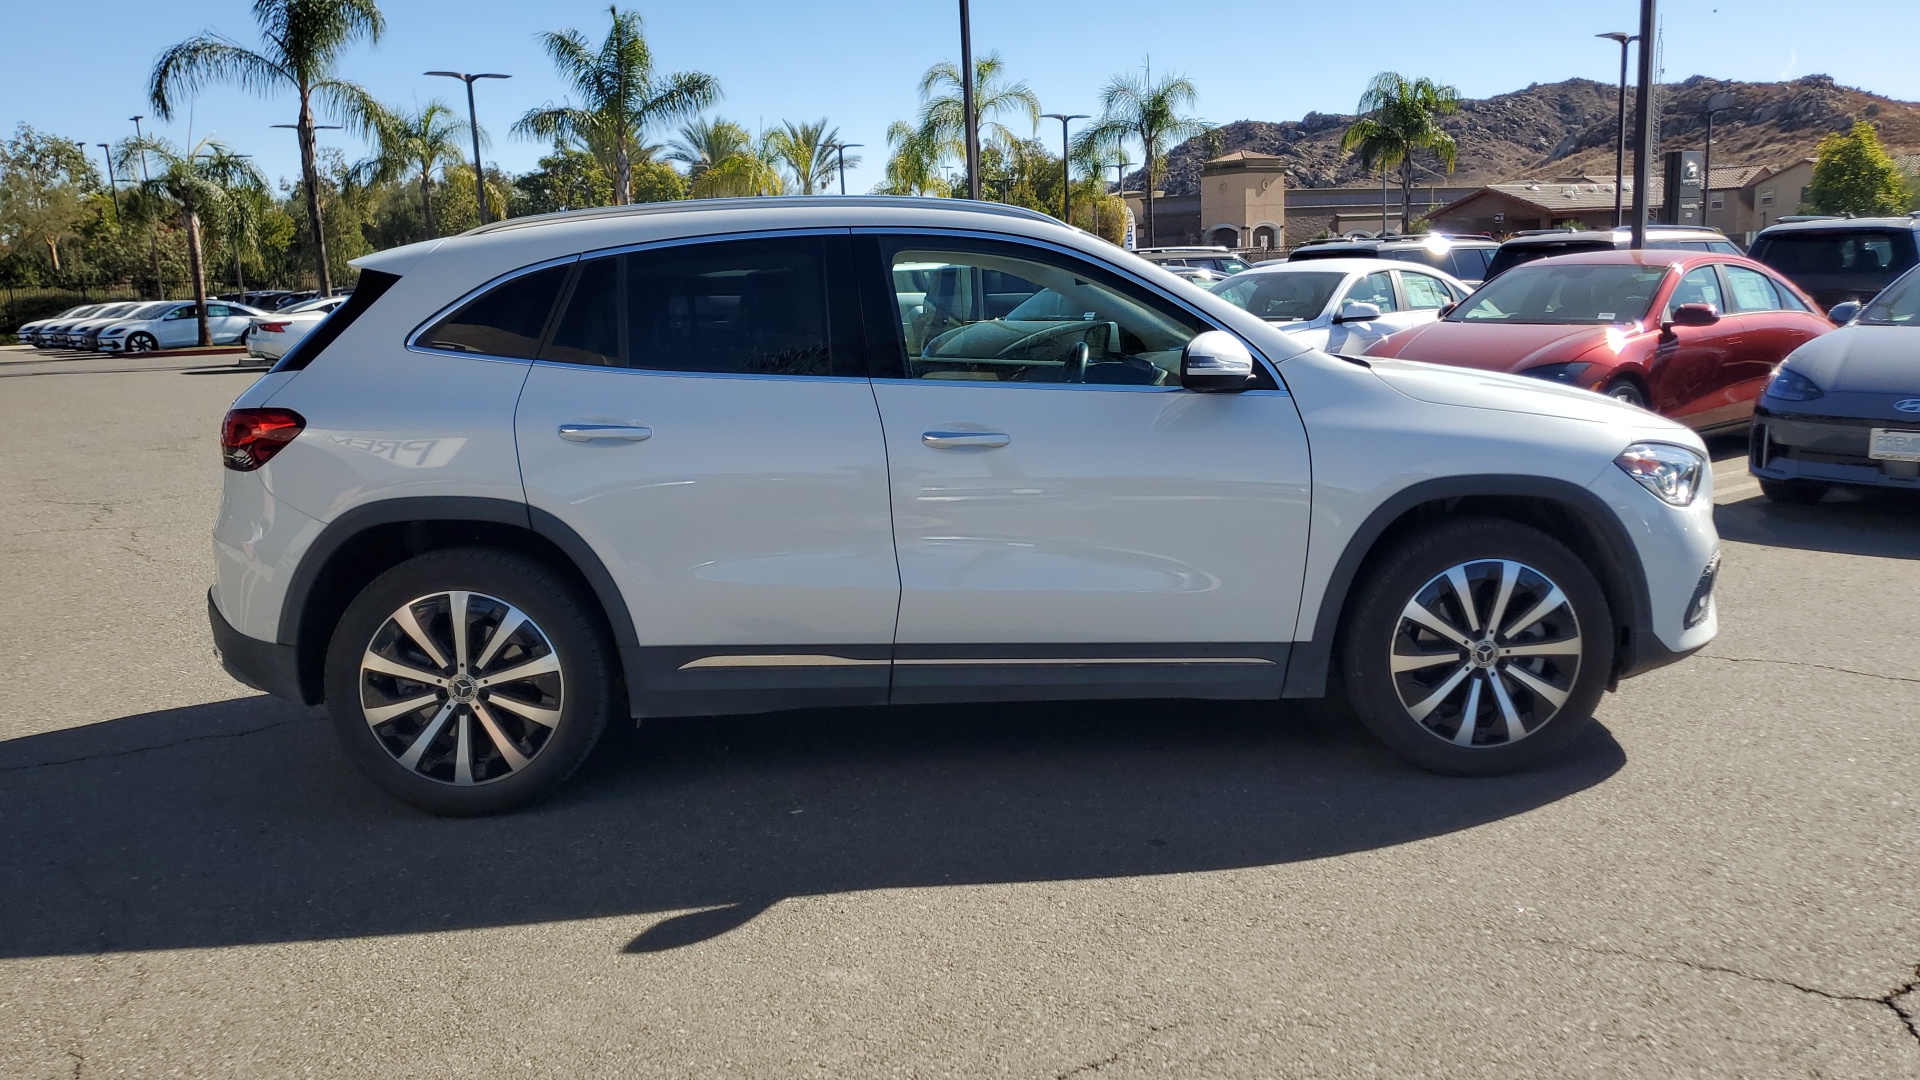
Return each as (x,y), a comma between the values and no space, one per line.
(1702,286)
(1375,289)
(989,312)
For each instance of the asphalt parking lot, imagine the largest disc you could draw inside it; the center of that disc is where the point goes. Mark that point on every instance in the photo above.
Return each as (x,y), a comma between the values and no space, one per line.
(1722,879)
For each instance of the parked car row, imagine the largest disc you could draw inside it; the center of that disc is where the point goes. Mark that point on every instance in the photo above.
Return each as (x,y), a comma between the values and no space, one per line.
(134,327)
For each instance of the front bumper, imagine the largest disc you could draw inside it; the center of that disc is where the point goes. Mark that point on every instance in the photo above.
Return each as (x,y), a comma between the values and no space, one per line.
(264,665)
(1826,449)
(1678,548)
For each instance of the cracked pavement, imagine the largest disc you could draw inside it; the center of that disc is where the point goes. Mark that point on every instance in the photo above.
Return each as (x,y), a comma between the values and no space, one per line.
(1720,881)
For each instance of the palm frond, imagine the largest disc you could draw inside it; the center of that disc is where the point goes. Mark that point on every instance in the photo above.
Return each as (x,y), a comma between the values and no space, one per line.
(194,63)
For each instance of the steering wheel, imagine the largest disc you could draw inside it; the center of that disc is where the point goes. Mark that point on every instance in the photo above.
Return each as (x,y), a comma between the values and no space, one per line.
(1077,363)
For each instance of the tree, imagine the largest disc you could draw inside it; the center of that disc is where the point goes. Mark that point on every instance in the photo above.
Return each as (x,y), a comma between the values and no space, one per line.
(723,161)
(566,179)
(302,41)
(1134,108)
(201,184)
(1402,119)
(1853,175)
(943,125)
(44,182)
(413,145)
(913,163)
(704,144)
(806,150)
(621,97)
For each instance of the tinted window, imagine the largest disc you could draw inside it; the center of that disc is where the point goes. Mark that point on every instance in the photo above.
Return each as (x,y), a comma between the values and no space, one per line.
(1470,264)
(753,307)
(506,320)
(1751,290)
(589,329)
(1424,291)
(1282,297)
(1076,324)
(1436,259)
(1858,251)
(1898,306)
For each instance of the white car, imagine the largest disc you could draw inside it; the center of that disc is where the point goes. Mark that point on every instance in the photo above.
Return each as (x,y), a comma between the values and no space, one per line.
(45,333)
(1342,305)
(176,324)
(274,334)
(85,333)
(692,458)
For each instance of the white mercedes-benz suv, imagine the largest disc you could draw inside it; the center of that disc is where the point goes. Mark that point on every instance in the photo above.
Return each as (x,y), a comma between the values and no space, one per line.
(734,456)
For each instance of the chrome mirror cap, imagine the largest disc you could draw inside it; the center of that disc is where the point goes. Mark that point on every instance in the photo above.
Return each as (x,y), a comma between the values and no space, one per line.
(1355,311)
(1216,361)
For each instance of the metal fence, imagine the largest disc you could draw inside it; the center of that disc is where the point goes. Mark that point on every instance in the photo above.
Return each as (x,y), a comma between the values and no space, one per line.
(25,304)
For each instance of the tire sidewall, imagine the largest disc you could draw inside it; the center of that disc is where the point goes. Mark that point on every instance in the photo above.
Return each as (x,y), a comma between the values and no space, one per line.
(549,601)
(1622,388)
(1365,647)
(142,342)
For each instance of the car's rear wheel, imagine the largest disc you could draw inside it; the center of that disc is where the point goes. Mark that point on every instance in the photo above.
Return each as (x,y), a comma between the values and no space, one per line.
(1628,391)
(1477,648)
(141,342)
(1793,492)
(469,681)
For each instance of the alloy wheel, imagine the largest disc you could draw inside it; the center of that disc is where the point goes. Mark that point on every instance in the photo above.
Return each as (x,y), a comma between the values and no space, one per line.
(1486,653)
(461,688)
(141,343)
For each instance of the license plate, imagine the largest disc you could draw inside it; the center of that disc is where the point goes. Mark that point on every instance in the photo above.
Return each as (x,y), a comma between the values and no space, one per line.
(1890,444)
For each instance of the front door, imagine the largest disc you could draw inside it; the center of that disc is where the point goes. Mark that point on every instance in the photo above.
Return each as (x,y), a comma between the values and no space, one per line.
(1069,520)
(701,415)
(1689,364)
(181,326)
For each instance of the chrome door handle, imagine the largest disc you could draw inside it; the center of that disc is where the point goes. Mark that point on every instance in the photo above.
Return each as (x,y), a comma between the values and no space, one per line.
(590,432)
(952,440)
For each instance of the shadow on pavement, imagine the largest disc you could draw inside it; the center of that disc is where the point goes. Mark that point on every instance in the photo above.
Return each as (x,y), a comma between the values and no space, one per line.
(240,822)
(1857,522)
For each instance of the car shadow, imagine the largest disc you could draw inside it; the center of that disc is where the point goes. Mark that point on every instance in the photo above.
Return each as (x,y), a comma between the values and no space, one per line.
(240,822)
(1867,521)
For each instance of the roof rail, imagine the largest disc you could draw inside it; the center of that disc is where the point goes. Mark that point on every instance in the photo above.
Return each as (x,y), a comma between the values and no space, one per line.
(758,201)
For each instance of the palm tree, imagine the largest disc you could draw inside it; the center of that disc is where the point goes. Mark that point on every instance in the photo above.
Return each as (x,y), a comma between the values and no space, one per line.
(301,45)
(913,166)
(1134,108)
(705,143)
(1402,118)
(807,152)
(943,123)
(415,144)
(621,97)
(202,184)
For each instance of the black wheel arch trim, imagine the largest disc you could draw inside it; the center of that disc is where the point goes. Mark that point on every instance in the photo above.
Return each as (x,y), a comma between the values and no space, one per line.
(1311,660)
(351,524)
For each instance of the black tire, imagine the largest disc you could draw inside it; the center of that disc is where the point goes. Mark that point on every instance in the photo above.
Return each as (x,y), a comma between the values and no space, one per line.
(1628,391)
(1793,492)
(1377,630)
(559,623)
(142,342)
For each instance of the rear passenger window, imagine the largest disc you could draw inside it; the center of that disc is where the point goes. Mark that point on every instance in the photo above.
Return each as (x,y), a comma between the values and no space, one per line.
(1470,264)
(589,329)
(506,320)
(748,307)
(1424,292)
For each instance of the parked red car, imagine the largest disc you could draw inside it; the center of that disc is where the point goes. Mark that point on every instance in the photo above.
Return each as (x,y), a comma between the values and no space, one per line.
(1690,336)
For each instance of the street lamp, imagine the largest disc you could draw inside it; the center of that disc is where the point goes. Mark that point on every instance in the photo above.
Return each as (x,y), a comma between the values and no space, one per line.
(1720,102)
(966,103)
(106,151)
(159,288)
(1066,166)
(473,122)
(840,148)
(1643,127)
(1620,132)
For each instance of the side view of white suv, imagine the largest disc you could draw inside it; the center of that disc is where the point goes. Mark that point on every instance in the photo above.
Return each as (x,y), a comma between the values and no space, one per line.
(736,456)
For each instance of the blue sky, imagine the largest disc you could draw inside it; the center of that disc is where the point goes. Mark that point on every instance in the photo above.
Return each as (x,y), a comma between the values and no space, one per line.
(81,72)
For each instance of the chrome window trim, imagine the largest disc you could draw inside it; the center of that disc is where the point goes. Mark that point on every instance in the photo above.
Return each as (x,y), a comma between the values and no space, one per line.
(664,373)
(413,337)
(1015,238)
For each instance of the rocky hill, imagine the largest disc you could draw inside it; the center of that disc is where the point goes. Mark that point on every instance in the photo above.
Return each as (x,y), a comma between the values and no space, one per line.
(1566,128)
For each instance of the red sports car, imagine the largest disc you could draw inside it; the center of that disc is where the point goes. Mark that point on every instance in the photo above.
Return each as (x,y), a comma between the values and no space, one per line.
(1690,336)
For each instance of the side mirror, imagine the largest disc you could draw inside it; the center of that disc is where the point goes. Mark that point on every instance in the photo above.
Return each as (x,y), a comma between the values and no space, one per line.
(1446,310)
(1354,311)
(1842,313)
(1216,362)
(1694,315)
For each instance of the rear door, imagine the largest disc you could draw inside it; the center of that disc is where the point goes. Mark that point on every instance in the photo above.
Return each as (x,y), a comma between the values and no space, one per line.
(701,416)
(1771,322)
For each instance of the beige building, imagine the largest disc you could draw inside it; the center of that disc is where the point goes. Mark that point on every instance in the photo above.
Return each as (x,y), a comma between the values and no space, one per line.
(1243,201)
(1743,199)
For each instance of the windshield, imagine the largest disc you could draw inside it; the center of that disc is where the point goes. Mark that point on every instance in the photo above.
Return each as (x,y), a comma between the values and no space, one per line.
(114,311)
(1899,305)
(1563,294)
(150,311)
(1280,296)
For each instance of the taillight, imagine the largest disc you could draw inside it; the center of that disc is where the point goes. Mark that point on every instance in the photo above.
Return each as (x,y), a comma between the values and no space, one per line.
(250,437)
(274,327)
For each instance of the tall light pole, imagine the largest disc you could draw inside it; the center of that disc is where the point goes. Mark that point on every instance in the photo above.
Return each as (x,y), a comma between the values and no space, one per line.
(1643,128)
(1716,103)
(1620,129)
(322,277)
(966,103)
(473,122)
(840,148)
(159,289)
(113,183)
(1066,165)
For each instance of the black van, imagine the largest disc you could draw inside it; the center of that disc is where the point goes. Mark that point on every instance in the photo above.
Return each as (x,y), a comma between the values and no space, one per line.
(1835,260)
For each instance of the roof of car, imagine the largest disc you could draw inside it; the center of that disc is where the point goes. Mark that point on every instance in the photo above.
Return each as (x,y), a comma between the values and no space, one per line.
(1837,224)
(1408,240)
(1630,257)
(1349,266)
(1561,236)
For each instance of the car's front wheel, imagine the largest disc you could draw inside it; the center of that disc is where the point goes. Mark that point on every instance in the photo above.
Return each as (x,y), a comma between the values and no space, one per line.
(1477,648)
(469,681)
(1628,392)
(141,342)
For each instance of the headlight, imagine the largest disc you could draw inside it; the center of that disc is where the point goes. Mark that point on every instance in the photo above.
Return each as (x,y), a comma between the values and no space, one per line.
(1560,373)
(1670,472)
(1789,385)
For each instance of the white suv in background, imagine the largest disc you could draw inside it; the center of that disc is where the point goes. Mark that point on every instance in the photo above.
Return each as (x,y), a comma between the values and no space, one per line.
(706,457)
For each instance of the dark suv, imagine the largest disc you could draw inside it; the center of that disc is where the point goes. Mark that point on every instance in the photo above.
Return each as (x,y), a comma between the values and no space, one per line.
(1835,260)
(1525,247)
(1465,257)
